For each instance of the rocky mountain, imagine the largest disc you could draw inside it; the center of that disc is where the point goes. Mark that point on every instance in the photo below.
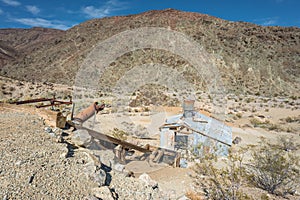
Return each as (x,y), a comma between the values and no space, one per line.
(251,59)
(17,43)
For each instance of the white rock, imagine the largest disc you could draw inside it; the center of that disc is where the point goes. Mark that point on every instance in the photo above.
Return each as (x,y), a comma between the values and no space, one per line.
(102,193)
(19,162)
(81,137)
(146,179)
(119,167)
(48,129)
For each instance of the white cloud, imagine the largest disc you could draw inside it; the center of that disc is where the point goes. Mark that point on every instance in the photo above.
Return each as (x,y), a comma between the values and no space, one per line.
(105,10)
(11,2)
(39,22)
(33,9)
(91,11)
(269,21)
(1,11)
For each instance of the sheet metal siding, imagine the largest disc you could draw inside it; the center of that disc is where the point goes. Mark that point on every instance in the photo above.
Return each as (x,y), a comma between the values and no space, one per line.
(212,127)
(199,144)
(173,119)
(167,139)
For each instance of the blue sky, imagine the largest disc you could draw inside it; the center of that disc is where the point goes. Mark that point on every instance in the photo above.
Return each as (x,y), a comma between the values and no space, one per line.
(63,14)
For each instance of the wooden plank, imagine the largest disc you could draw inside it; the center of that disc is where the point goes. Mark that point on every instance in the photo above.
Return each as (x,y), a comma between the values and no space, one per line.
(101,136)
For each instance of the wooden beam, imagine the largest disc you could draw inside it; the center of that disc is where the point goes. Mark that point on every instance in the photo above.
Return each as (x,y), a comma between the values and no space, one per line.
(101,136)
(206,135)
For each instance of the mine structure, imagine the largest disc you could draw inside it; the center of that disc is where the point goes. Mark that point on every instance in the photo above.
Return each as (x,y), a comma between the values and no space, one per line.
(178,135)
(102,141)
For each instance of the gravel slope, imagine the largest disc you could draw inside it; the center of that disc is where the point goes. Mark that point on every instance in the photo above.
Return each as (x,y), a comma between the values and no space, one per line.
(34,166)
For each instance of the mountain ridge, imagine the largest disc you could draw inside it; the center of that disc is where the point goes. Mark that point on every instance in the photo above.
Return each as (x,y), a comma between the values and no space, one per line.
(251,59)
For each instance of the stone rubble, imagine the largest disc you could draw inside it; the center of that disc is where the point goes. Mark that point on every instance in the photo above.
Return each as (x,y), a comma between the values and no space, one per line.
(34,164)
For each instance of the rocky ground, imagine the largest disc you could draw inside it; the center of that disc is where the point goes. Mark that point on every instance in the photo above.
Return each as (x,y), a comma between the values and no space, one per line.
(34,166)
(39,162)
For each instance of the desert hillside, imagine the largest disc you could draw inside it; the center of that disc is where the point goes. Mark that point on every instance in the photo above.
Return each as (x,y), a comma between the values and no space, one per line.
(51,149)
(252,59)
(17,43)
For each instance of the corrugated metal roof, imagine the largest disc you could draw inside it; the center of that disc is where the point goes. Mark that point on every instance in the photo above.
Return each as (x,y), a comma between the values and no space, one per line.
(215,129)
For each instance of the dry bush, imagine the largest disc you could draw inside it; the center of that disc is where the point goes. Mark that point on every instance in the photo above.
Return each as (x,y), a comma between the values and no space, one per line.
(239,115)
(265,124)
(274,169)
(256,122)
(119,134)
(249,100)
(224,183)
(292,119)
(287,143)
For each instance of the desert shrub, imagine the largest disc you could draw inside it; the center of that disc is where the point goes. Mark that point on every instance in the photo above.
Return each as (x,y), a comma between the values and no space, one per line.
(289,119)
(239,115)
(11,100)
(245,109)
(265,124)
(222,183)
(292,119)
(287,143)
(264,197)
(12,89)
(273,169)
(119,134)
(253,110)
(291,129)
(146,109)
(249,100)
(281,105)
(294,97)
(273,127)
(256,122)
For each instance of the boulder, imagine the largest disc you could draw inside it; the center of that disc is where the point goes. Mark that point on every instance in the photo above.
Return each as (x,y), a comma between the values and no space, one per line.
(148,181)
(119,167)
(98,177)
(237,140)
(48,129)
(102,193)
(81,138)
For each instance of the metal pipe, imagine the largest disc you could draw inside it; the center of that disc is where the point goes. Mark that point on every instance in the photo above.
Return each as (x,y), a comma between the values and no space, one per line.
(88,112)
(32,101)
